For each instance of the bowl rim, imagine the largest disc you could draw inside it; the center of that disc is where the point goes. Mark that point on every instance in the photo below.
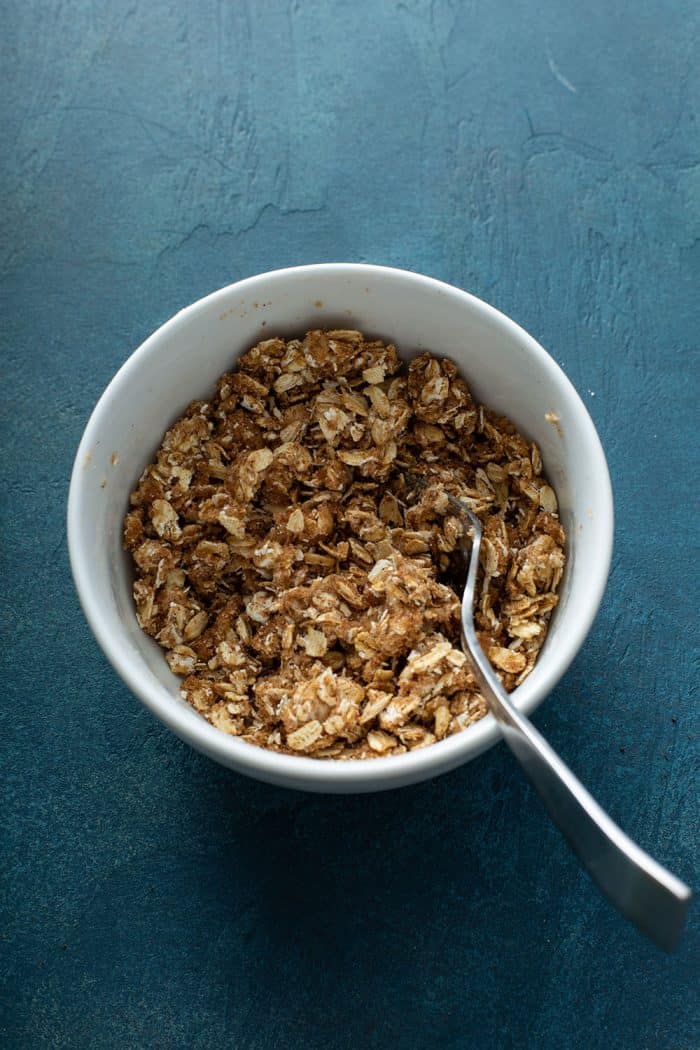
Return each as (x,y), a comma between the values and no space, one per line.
(299,770)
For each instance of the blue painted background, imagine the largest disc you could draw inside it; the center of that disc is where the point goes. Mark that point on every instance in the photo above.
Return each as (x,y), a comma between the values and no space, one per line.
(545,156)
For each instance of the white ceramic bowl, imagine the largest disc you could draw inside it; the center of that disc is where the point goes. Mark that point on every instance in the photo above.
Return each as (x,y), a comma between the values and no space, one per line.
(504,367)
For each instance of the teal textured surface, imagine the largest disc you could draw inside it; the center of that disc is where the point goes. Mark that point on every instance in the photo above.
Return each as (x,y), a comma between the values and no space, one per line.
(545,157)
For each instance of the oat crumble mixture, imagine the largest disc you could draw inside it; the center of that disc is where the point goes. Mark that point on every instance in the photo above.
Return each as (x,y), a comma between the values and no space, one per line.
(296,581)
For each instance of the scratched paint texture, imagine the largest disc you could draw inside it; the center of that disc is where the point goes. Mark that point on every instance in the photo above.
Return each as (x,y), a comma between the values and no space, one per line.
(545,156)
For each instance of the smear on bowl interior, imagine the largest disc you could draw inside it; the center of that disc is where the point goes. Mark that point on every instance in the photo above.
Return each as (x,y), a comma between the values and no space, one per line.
(296,581)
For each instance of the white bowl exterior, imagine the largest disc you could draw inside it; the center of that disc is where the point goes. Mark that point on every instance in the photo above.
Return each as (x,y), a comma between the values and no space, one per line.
(504,367)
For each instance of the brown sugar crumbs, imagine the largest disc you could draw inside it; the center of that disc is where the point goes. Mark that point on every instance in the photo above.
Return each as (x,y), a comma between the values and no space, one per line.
(296,580)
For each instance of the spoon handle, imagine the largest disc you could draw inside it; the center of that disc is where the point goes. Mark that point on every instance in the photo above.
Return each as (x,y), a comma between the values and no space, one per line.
(639,887)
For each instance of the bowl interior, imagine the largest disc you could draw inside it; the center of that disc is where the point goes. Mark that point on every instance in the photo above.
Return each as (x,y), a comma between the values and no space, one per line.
(504,368)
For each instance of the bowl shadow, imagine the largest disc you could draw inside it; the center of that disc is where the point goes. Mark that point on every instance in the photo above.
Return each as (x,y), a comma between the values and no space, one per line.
(381,913)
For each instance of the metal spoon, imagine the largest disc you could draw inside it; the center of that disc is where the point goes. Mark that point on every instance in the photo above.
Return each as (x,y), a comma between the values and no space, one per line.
(639,887)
